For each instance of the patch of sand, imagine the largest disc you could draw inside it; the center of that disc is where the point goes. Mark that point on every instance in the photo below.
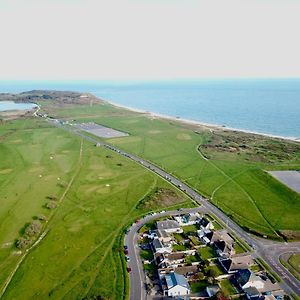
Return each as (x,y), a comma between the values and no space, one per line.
(183,136)
(154,131)
(5,171)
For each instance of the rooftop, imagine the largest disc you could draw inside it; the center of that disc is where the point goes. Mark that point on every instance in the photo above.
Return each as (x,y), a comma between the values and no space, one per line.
(174,279)
(168,224)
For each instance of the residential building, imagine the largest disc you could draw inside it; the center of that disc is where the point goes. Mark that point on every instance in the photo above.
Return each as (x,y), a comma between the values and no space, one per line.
(235,263)
(176,285)
(223,249)
(169,226)
(188,219)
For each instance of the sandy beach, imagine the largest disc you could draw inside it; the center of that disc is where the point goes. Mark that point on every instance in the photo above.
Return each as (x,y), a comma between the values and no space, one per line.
(198,123)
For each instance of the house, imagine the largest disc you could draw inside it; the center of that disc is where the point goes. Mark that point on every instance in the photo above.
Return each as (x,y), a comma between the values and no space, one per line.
(206,224)
(169,226)
(219,235)
(164,236)
(246,279)
(223,249)
(176,285)
(235,263)
(212,290)
(202,234)
(160,247)
(170,259)
(252,293)
(188,219)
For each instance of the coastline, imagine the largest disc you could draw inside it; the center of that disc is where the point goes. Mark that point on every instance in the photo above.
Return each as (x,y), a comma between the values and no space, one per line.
(199,123)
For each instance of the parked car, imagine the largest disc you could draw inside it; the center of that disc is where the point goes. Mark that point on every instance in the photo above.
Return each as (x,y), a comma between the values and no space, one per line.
(128,269)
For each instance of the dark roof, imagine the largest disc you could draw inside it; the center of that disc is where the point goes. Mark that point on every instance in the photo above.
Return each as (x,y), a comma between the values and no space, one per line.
(157,244)
(242,276)
(204,222)
(252,291)
(220,245)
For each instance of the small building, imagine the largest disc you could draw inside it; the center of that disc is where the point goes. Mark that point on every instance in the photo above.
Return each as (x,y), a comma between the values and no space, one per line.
(252,293)
(235,263)
(160,247)
(188,219)
(164,236)
(223,249)
(246,279)
(169,226)
(177,285)
(206,224)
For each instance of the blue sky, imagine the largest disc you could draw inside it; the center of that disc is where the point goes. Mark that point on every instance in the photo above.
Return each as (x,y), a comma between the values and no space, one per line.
(157,39)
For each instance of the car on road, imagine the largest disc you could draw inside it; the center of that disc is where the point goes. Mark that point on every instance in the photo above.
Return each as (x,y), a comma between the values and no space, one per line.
(128,269)
(125,247)
(127,258)
(126,252)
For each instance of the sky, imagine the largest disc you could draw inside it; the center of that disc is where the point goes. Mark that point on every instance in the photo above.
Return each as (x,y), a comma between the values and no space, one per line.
(148,39)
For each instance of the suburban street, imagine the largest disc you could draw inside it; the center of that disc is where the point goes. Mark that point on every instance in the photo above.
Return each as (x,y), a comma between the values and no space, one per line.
(269,251)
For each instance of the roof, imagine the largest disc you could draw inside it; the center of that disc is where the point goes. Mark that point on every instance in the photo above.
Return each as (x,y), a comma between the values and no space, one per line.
(168,224)
(186,270)
(174,279)
(236,263)
(204,222)
(252,291)
(175,256)
(243,276)
(157,244)
(162,233)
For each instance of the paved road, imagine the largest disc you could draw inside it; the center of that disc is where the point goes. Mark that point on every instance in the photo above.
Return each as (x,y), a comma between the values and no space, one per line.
(137,275)
(268,250)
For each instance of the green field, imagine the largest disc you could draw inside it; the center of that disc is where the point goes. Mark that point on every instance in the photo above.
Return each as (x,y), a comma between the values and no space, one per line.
(229,168)
(96,195)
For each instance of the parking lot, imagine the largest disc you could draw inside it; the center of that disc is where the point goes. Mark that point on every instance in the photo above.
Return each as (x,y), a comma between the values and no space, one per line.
(289,178)
(99,130)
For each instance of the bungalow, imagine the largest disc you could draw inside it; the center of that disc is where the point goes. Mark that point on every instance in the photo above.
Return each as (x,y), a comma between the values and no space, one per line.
(235,263)
(176,285)
(160,247)
(246,279)
(206,224)
(219,235)
(169,226)
(170,259)
(188,219)
(223,249)
(252,293)
(164,236)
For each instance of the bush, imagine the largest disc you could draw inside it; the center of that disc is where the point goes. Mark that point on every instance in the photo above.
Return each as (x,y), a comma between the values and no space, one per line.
(23,242)
(51,205)
(33,228)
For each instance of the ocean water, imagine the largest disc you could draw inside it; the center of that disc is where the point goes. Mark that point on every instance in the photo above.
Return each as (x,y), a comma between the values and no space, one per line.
(270,106)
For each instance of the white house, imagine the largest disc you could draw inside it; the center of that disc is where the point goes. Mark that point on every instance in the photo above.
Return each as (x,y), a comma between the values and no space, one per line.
(188,219)
(169,226)
(247,279)
(177,285)
(160,247)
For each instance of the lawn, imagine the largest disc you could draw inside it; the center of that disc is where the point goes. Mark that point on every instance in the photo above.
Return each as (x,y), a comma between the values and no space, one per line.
(190,228)
(227,288)
(206,252)
(294,261)
(198,286)
(235,181)
(97,194)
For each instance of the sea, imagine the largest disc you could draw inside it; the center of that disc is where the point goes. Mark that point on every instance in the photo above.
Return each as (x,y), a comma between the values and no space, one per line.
(268,106)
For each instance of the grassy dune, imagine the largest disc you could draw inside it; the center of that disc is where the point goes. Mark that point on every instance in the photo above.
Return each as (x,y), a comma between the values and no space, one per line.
(236,181)
(97,194)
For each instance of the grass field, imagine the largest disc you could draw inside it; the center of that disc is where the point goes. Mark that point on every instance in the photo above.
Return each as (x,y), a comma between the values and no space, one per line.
(96,194)
(227,167)
(294,262)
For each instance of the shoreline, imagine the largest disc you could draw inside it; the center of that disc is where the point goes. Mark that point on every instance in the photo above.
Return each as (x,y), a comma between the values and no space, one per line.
(199,123)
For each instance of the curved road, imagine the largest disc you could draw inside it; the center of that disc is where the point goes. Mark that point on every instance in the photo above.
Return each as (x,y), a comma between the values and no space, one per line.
(269,251)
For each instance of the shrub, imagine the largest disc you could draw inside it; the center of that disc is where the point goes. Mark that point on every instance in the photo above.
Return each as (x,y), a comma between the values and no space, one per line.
(51,205)
(23,242)
(33,228)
